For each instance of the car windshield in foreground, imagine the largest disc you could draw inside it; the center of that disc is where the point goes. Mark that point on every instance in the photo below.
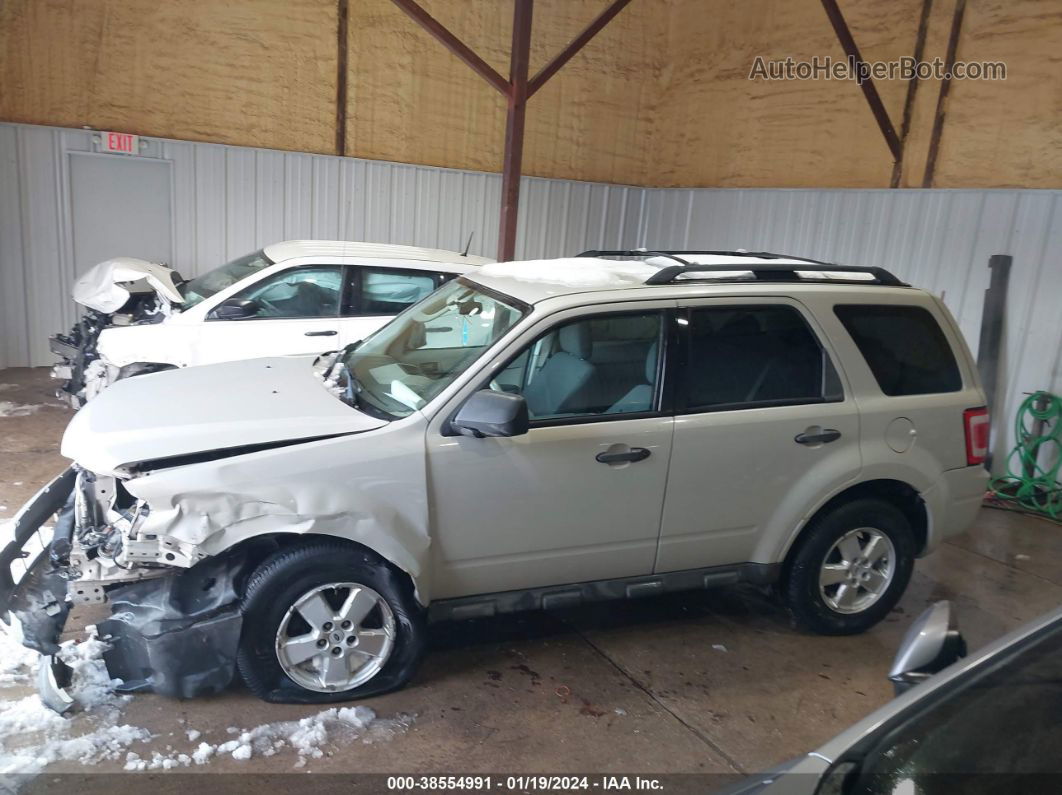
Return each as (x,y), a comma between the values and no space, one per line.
(213,282)
(419,353)
(997,731)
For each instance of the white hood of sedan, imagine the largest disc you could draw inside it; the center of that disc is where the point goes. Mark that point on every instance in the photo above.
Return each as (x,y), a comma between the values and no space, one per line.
(104,287)
(201,409)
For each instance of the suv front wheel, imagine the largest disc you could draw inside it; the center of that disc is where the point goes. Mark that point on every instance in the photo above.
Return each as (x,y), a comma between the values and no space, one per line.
(325,622)
(850,568)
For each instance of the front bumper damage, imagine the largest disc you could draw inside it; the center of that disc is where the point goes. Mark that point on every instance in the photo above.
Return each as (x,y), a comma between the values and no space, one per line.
(173,631)
(80,370)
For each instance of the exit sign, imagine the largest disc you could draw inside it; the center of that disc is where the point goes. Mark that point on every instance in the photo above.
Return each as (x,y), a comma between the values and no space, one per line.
(119,143)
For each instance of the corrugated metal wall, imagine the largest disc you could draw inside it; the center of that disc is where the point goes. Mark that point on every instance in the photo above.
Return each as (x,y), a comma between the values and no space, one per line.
(939,240)
(230,200)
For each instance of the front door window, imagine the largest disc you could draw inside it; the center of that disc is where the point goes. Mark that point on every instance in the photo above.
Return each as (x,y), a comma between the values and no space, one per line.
(601,366)
(297,293)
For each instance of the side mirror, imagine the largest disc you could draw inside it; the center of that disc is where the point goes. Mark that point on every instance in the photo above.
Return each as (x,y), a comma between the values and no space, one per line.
(490,413)
(235,309)
(931,644)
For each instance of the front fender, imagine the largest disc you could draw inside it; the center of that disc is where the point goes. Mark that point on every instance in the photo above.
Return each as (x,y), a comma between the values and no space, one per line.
(369,488)
(160,343)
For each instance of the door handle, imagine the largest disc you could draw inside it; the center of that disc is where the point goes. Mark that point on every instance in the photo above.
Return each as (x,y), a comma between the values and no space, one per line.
(817,436)
(321,333)
(634,454)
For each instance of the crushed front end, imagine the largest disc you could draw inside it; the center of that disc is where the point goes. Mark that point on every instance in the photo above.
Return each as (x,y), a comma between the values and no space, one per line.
(175,620)
(123,291)
(82,372)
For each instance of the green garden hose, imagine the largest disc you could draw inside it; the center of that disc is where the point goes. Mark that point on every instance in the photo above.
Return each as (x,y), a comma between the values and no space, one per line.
(1032,480)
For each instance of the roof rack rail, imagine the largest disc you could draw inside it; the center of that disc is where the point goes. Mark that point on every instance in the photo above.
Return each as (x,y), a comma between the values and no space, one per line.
(638,252)
(787,272)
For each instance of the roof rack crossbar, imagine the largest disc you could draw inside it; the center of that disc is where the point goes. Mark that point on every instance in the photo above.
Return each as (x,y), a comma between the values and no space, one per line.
(774,273)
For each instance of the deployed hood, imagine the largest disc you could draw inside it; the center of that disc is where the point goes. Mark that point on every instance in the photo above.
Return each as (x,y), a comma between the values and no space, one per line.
(202,409)
(105,287)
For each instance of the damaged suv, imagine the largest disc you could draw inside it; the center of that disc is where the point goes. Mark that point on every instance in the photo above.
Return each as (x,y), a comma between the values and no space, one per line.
(535,435)
(295,297)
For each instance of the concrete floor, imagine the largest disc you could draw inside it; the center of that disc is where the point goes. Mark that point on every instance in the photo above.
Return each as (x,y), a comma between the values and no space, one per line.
(710,682)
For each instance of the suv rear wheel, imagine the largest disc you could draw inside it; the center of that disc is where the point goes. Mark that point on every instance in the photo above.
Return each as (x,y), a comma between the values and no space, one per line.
(850,568)
(328,622)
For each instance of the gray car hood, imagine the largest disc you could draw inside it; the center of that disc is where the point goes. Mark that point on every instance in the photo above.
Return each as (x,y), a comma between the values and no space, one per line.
(201,409)
(106,287)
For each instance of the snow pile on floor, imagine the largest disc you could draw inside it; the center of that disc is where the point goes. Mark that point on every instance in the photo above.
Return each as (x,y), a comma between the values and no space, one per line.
(17,663)
(308,738)
(32,736)
(9,409)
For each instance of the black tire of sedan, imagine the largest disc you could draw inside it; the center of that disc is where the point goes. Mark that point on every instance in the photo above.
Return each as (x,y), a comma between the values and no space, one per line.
(850,568)
(326,622)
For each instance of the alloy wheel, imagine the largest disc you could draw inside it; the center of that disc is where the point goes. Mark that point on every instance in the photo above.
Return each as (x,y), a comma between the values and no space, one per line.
(335,637)
(857,570)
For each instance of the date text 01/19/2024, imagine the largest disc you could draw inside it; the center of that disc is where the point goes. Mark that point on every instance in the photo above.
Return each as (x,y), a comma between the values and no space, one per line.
(527,783)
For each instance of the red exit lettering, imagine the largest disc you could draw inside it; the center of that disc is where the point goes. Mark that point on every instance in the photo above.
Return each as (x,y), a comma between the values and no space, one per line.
(120,143)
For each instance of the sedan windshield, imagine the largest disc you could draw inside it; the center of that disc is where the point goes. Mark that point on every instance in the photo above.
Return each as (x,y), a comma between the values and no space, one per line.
(212,282)
(419,353)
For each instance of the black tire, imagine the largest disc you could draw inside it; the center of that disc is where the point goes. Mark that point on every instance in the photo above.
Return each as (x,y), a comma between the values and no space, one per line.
(283,578)
(800,583)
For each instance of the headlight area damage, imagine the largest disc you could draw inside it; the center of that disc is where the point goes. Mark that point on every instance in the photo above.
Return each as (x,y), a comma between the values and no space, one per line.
(172,630)
(124,291)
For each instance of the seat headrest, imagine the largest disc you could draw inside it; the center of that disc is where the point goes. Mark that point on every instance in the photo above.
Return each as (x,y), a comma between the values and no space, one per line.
(575,339)
(650,364)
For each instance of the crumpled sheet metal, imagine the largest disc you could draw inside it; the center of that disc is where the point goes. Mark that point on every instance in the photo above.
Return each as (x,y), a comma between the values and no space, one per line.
(338,488)
(100,287)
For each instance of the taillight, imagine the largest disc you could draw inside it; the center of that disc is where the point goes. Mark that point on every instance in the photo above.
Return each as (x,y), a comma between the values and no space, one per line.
(975,422)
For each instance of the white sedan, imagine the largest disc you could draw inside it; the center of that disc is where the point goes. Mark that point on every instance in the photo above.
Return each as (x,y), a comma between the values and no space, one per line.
(294,297)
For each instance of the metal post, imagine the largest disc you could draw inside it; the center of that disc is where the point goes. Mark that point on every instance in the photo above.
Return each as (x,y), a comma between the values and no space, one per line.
(514,129)
(1033,459)
(992,318)
(517,90)
(342,46)
(942,97)
(870,91)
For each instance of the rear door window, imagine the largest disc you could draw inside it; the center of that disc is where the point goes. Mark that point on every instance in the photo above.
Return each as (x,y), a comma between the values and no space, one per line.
(745,356)
(387,291)
(904,347)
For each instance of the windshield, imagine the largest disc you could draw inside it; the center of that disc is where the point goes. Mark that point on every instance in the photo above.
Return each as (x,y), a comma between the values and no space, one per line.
(419,353)
(994,732)
(212,282)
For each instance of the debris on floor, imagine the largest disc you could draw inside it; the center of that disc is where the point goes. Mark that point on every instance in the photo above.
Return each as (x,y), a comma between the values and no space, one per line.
(33,736)
(308,738)
(719,647)
(9,409)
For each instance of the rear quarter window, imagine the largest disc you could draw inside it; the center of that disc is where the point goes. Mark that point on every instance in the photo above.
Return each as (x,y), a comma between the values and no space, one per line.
(904,346)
